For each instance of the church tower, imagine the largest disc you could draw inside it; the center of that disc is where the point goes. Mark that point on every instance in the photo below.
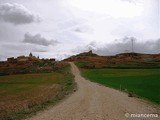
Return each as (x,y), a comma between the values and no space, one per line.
(30,54)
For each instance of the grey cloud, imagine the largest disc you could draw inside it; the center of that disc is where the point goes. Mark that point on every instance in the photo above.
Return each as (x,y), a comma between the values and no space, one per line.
(2,57)
(22,47)
(39,50)
(125,39)
(17,49)
(78,30)
(83,29)
(122,45)
(131,1)
(125,45)
(17,14)
(73,25)
(128,0)
(38,40)
(91,46)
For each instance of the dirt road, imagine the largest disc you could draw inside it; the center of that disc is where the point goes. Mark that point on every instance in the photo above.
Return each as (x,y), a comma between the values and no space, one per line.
(95,102)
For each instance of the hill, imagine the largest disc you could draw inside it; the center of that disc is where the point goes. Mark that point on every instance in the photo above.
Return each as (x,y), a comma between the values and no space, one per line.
(123,60)
(29,64)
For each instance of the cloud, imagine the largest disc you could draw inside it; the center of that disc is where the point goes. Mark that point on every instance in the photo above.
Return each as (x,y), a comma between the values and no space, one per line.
(17,14)
(38,40)
(39,50)
(132,1)
(128,0)
(83,29)
(122,45)
(78,30)
(90,46)
(18,49)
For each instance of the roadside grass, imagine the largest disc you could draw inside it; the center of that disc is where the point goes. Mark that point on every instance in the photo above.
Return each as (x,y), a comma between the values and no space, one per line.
(81,64)
(144,83)
(24,95)
(135,64)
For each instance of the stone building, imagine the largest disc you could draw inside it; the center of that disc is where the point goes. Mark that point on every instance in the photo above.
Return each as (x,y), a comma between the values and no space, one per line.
(22,59)
(11,60)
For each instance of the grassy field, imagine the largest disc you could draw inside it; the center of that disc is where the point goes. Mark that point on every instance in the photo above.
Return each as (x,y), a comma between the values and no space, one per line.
(142,82)
(24,94)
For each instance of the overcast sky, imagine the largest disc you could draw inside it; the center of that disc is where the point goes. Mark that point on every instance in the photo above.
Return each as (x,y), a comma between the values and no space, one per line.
(60,28)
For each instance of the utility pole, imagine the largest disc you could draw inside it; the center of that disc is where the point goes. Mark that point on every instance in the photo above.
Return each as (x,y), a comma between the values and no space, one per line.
(132,42)
(159,45)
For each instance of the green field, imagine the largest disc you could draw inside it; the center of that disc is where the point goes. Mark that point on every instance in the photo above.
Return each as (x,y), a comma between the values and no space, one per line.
(144,83)
(25,94)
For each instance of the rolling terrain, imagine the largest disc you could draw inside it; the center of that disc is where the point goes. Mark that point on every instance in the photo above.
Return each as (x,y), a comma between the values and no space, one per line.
(30,84)
(32,90)
(95,102)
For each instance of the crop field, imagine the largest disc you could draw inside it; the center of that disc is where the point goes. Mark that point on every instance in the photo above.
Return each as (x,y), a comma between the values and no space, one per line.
(19,92)
(144,83)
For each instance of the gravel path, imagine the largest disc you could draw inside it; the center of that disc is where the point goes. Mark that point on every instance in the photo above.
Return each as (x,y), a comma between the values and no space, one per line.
(95,102)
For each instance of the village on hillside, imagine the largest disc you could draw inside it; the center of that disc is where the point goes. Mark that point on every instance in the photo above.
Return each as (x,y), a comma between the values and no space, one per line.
(24,60)
(29,64)
(93,60)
